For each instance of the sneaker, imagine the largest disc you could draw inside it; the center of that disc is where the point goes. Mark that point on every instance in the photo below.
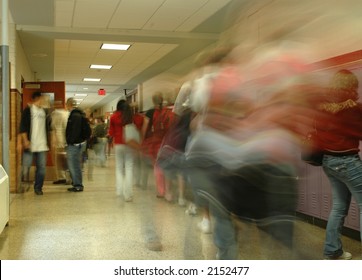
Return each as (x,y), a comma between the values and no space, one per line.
(205,226)
(154,246)
(181,202)
(191,210)
(38,192)
(344,256)
(75,189)
(168,197)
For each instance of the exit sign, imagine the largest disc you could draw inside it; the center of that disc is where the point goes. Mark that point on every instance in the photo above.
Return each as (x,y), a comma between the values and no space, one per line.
(101,91)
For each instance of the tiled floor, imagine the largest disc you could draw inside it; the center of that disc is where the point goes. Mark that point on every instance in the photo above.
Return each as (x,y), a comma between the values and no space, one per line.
(98,225)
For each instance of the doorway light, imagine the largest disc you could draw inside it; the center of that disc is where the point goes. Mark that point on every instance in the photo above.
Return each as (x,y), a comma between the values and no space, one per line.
(97,66)
(120,47)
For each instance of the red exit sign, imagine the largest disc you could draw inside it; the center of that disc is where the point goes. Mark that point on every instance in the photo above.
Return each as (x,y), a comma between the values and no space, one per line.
(101,91)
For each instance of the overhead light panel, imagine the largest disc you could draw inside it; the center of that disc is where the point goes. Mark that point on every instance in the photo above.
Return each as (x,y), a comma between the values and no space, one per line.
(120,47)
(91,80)
(80,94)
(96,66)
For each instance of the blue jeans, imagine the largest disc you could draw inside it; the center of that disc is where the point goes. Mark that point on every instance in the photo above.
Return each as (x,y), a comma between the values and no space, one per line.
(40,163)
(100,150)
(345,176)
(74,159)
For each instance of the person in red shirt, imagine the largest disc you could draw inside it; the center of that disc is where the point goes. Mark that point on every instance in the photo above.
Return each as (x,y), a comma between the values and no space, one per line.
(124,154)
(156,123)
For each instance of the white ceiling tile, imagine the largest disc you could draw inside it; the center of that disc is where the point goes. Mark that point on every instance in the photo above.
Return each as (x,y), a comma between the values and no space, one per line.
(133,14)
(64,12)
(173,13)
(89,13)
(210,8)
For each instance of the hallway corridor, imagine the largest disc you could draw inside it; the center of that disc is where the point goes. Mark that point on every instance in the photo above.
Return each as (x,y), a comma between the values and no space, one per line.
(98,225)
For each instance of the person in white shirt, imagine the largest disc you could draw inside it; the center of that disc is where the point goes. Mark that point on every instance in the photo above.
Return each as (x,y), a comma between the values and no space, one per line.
(34,128)
(59,119)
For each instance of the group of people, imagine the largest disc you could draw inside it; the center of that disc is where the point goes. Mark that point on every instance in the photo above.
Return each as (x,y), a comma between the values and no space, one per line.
(61,130)
(233,137)
(247,129)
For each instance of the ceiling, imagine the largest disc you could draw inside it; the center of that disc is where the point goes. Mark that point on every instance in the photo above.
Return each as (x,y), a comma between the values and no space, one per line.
(62,38)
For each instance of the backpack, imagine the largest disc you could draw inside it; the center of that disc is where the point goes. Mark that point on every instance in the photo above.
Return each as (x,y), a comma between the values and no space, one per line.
(86,130)
(171,153)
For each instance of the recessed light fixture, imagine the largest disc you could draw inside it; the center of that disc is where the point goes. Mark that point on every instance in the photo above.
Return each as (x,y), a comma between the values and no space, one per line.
(81,94)
(96,66)
(120,47)
(91,80)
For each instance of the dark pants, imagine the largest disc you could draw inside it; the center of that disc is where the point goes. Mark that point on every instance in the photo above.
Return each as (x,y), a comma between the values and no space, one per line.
(263,193)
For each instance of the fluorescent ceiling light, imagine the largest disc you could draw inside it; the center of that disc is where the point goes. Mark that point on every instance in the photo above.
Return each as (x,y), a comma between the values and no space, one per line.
(81,94)
(91,80)
(121,47)
(96,66)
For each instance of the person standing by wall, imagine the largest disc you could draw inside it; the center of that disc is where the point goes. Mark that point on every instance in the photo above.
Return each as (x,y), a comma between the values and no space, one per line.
(34,128)
(339,134)
(75,145)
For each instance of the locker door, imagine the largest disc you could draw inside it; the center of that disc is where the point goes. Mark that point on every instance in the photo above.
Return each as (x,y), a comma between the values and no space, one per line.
(326,196)
(302,188)
(314,182)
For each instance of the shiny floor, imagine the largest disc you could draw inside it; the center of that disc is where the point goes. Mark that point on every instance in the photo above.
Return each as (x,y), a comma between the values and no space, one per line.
(98,225)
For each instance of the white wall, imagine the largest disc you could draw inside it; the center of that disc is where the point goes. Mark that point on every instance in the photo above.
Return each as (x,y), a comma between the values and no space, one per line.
(19,65)
(327,27)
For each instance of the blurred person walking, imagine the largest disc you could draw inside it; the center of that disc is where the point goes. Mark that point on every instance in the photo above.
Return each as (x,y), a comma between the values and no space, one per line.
(155,125)
(59,119)
(100,132)
(34,129)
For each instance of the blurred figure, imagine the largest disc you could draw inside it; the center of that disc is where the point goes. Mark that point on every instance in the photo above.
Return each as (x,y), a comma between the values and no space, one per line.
(34,129)
(59,118)
(124,154)
(99,133)
(339,134)
(208,65)
(242,157)
(139,171)
(90,152)
(155,125)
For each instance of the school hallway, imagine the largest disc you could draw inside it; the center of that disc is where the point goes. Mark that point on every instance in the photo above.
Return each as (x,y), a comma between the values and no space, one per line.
(98,225)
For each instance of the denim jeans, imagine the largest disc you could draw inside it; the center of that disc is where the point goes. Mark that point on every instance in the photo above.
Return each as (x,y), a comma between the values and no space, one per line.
(40,163)
(74,159)
(124,156)
(345,176)
(100,150)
